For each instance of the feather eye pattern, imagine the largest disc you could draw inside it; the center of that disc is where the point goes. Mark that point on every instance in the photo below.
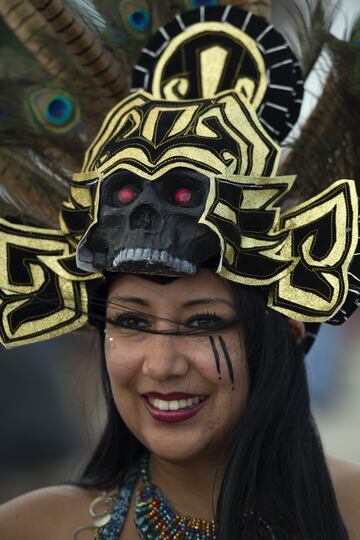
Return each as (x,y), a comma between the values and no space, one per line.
(44,132)
(130,24)
(40,113)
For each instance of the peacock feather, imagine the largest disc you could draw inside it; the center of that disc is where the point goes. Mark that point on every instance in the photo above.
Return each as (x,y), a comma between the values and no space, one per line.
(327,148)
(64,63)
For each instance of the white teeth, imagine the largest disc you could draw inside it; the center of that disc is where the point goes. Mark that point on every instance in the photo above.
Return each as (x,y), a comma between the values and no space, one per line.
(174,405)
(138,254)
(153,256)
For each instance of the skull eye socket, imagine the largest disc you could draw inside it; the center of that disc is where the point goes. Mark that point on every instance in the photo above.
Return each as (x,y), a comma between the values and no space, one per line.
(184,197)
(127,194)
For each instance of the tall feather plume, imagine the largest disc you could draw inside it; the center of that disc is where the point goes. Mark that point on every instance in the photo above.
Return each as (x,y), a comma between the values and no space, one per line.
(70,40)
(82,57)
(44,131)
(50,104)
(327,148)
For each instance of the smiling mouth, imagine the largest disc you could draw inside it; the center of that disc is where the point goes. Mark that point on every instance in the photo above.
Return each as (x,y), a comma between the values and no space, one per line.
(176,404)
(175,410)
(155,259)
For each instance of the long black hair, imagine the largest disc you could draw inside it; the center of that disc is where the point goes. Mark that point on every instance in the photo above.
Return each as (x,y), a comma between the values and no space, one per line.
(276,472)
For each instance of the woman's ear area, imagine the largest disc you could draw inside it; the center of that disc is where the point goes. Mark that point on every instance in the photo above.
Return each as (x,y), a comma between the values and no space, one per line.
(298,330)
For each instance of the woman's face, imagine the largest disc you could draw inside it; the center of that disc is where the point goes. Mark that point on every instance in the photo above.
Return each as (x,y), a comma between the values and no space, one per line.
(179,395)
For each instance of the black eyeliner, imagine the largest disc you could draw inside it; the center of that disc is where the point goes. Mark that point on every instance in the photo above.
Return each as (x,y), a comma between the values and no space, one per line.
(228,359)
(216,354)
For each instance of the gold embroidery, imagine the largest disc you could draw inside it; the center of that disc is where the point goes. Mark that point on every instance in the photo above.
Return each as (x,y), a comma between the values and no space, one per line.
(323,234)
(255,258)
(36,303)
(212,136)
(212,62)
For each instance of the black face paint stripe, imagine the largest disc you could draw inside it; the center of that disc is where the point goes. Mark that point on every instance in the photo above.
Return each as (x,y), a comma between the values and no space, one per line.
(216,354)
(228,359)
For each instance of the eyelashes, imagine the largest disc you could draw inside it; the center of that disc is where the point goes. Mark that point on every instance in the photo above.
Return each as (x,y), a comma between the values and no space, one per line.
(133,322)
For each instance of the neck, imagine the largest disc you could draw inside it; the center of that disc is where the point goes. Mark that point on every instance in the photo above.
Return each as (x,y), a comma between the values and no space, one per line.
(190,487)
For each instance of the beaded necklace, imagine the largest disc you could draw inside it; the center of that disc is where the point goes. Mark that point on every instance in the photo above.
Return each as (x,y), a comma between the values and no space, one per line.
(155,519)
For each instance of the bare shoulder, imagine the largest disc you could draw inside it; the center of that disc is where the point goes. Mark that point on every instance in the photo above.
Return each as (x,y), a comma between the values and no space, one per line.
(346,481)
(53,512)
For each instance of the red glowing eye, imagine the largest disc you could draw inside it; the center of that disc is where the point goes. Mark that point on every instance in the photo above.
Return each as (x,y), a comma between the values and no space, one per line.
(183,196)
(126,195)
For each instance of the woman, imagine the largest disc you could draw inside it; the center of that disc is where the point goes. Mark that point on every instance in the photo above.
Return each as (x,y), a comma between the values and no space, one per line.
(203,368)
(249,443)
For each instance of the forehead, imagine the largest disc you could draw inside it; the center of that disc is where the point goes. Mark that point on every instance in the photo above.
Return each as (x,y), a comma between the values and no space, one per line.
(205,285)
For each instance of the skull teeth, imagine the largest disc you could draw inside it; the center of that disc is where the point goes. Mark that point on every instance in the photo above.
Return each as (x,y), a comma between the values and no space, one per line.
(154,256)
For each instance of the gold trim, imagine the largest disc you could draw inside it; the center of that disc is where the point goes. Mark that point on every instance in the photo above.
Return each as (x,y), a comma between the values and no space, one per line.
(30,250)
(340,199)
(207,82)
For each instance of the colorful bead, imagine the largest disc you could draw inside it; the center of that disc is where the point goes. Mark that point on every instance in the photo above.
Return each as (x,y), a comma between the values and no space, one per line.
(155,519)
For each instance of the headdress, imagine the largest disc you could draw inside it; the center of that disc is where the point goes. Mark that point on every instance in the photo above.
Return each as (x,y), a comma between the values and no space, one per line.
(182,172)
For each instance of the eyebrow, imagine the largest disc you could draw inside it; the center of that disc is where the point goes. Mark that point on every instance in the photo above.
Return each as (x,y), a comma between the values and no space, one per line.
(202,301)
(190,303)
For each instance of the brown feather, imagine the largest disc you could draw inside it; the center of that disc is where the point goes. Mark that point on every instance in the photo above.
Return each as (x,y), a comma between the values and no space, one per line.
(99,63)
(34,32)
(27,188)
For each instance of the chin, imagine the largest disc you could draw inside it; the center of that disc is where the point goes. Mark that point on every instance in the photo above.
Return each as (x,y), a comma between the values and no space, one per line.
(178,445)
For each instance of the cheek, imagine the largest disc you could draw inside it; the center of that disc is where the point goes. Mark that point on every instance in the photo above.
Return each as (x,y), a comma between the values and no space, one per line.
(120,361)
(122,369)
(222,360)
(229,366)
(226,355)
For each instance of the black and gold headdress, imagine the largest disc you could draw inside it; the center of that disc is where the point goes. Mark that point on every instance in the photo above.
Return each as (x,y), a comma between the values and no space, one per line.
(184,172)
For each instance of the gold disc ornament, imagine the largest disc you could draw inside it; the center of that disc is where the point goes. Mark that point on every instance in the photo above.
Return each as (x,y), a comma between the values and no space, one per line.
(208,50)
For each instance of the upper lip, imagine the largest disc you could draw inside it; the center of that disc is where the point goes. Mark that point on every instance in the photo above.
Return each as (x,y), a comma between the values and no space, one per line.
(171,396)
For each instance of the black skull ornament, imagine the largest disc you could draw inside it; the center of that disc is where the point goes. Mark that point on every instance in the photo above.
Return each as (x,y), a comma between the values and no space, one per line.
(151,227)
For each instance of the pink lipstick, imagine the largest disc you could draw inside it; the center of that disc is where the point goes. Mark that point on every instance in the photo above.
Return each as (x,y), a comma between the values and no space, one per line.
(171,416)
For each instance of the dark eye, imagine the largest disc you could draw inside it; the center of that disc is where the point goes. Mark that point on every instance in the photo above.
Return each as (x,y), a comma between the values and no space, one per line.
(128,324)
(127,194)
(129,320)
(205,322)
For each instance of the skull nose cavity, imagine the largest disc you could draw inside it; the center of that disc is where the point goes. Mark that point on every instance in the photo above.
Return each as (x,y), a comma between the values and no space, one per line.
(145,217)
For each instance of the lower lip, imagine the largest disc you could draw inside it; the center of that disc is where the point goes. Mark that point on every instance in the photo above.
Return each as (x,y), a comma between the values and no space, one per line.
(173,416)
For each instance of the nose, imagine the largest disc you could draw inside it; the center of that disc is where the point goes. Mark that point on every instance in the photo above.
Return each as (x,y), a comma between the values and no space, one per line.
(145,217)
(165,358)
